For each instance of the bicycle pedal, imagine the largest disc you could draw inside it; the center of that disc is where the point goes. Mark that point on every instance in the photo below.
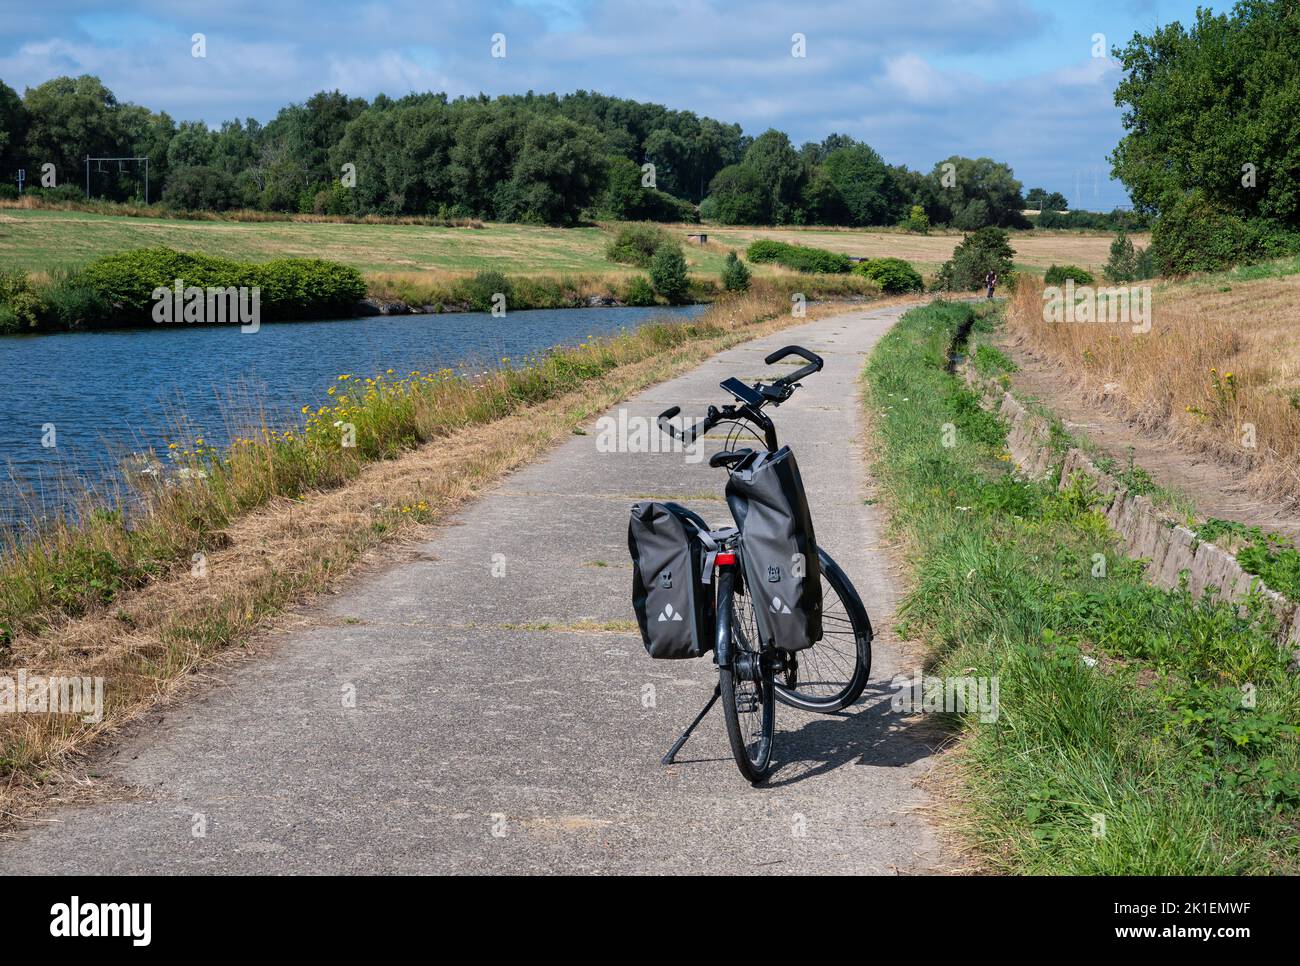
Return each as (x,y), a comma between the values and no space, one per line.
(746,703)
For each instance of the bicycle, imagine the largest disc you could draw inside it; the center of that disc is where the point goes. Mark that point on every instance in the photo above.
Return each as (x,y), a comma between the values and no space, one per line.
(751,676)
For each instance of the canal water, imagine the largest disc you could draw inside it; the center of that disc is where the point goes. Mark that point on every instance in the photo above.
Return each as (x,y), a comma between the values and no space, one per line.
(74,404)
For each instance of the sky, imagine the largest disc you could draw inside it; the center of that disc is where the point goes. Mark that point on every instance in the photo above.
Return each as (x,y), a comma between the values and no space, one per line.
(921,80)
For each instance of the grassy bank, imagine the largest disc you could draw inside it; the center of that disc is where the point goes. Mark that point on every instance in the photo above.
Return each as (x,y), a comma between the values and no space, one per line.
(286,513)
(1166,725)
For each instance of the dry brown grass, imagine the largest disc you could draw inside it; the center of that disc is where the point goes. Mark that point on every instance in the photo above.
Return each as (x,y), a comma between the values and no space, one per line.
(1215,363)
(1039,249)
(149,642)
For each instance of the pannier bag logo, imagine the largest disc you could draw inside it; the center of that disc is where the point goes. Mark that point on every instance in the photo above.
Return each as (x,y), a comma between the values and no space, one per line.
(669,614)
(779,607)
(773,574)
(666,580)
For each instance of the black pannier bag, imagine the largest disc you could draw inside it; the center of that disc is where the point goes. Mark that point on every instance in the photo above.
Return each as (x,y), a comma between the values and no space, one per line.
(672,570)
(778,549)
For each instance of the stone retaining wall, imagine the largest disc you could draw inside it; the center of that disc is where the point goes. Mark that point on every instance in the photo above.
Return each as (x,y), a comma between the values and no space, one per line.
(1146,531)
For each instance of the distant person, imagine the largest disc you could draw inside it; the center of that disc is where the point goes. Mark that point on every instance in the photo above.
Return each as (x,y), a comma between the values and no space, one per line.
(991,280)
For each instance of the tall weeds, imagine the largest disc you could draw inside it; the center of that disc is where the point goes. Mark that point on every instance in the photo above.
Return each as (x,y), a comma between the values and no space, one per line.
(1219,371)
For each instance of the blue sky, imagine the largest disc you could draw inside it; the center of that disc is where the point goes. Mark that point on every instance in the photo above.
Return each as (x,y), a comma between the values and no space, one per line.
(1010,79)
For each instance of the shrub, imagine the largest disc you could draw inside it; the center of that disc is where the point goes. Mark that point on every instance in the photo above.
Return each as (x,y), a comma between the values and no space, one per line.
(801,258)
(636,243)
(8,192)
(735,274)
(979,253)
(63,192)
(893,275)
(1127,263)
(639,291)
(70,300)
(290,287)
(917,220)
(199,188)
(20,306)
(1196,235)
(334,200)
(480,290)
(668,274)
(1057,274)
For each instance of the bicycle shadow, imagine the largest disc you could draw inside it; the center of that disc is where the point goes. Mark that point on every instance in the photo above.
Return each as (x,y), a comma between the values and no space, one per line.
(868,733)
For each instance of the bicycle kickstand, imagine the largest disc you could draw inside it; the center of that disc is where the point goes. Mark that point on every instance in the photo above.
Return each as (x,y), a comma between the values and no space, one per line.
(677,745)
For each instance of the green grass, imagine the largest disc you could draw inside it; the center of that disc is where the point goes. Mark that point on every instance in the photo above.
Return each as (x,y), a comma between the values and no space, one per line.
(1022,581)
(42,240)
(1270,556)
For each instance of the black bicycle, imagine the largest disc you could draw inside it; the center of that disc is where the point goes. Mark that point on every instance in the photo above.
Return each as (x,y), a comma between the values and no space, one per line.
(826,677)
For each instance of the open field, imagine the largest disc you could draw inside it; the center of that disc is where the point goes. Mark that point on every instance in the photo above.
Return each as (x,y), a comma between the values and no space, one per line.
(40,240)
(1219,372)
(1035,251)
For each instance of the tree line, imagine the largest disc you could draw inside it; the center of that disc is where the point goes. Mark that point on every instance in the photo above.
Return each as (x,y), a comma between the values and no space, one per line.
(540,158)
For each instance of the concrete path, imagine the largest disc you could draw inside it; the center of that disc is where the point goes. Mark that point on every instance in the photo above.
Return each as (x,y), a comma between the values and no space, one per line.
(484,740)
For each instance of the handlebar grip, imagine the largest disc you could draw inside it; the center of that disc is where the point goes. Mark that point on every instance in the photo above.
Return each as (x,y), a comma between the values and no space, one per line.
(795,350)
(814,363)
(686,436)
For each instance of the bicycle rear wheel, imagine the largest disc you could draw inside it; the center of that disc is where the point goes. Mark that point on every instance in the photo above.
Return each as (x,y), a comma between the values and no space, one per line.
(831,674)
(748,692)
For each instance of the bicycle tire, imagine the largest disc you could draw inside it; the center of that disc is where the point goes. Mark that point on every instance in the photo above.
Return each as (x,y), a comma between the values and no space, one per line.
(840,663)
(750,731)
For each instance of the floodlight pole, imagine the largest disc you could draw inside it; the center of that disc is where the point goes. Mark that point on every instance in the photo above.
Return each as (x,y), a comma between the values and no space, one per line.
(145,159)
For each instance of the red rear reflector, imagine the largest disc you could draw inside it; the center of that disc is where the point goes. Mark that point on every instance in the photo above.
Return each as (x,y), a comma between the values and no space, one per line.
(726,558)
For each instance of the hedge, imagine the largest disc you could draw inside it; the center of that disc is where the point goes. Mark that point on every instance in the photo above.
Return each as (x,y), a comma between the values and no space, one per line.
(802,258)
(291,288)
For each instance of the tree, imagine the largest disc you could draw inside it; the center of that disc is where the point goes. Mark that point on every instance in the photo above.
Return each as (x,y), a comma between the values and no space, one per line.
(1212,108)
(979,253)
(13,132)
(862,181)
(735,274)
(145,135)
(199,188)
(192,146)
(948,191)
(624,197)
(311,129)
(739,196)
(70,118)
(556,174)
(1043,200)
(668,274)
(776,164)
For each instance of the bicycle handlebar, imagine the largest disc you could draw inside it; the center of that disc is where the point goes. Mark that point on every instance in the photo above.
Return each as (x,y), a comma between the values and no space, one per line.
(776,393)
(686,436)
(814,363)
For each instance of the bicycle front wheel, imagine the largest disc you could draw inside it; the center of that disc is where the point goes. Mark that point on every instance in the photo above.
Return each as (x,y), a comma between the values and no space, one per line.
(831,674)
(747,692)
